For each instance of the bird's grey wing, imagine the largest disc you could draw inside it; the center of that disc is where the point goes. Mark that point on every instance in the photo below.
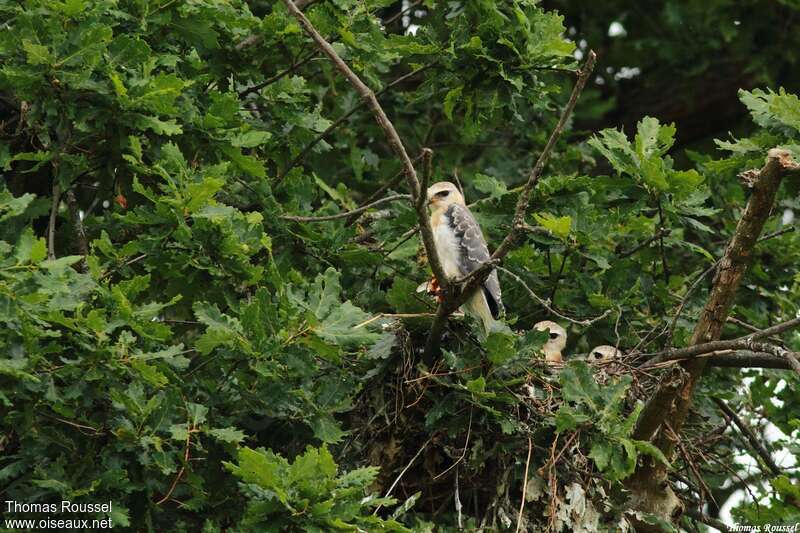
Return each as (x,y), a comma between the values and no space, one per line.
(474,252)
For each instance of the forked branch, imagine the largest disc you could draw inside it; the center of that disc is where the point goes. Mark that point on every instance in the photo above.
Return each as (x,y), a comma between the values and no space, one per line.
(389,131)
(460,290)
(649,483)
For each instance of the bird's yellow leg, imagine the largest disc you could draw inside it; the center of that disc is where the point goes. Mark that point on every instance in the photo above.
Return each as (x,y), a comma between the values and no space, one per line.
(435,290)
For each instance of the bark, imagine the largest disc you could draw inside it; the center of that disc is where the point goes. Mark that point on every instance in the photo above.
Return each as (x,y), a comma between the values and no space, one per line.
(650,488)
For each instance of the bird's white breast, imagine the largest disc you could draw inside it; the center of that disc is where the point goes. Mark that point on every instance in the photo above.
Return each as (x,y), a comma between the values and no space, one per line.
(447,247)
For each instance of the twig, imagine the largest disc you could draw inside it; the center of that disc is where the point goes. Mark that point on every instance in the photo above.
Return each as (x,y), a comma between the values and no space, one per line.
(80,230)
(758,447)
(391,135)
(546,303)
(402,12)
(696,283)
(411,462)
(51,226)
(700,516)
(94,431)
(190,429)
(388,199)
(564,260)
(774,330)
(269,81)
(750,327)
(778,233)
(662,232)
(702,485)
(397,178)
(341,120)
(126,263)
(524,487)
(392,315)
(463,453)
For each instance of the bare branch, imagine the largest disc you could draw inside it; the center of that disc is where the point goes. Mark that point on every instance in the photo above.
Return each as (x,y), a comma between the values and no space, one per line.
(354,212)
(397,178)
(662,232)
(257,87)
(756,443)
(787,229)
(649,479)
(80,230)
(776,329)
(750,327)
(546,303)
(341,120)
(397,480)
(742,343)
(544,157)
(51,226)
(402,12)
(391,135)
(748,359)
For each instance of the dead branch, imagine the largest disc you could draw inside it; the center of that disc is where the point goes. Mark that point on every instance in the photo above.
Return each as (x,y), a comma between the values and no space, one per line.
(391,135)
(748,359)
(650,479)
(269,81)
(546,303)
(662,232)
(51,226)
(341,120)
(80,230)
(354,212)
(755,443)
(742,343)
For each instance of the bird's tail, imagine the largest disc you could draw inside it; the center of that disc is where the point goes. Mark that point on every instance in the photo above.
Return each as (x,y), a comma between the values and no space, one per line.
(478,307)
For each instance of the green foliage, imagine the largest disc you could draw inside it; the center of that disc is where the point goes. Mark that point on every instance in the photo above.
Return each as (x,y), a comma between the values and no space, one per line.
(202,329)
(307,494)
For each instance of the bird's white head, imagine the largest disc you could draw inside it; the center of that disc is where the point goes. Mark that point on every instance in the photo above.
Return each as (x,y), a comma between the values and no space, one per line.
(557,341)
(443,194)
(604,352)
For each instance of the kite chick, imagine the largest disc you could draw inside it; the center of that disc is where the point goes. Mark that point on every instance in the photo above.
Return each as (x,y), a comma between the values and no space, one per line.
(557,341)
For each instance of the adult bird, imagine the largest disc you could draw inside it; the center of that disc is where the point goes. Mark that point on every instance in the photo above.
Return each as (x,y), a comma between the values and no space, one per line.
(462,248)
(556,343)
